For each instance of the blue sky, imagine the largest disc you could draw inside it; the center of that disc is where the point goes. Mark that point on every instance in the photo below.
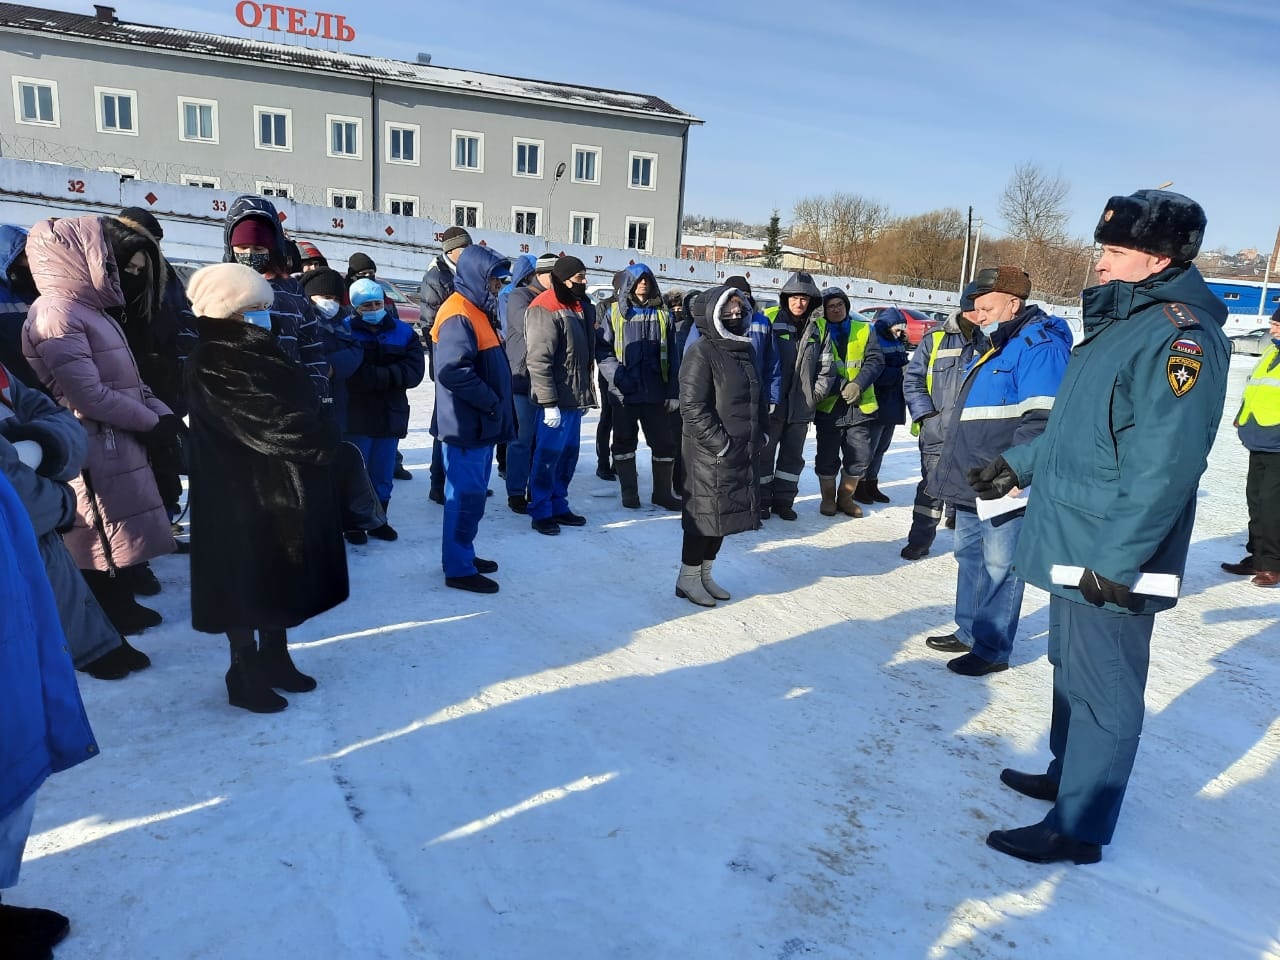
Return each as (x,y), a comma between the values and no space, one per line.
(917,103)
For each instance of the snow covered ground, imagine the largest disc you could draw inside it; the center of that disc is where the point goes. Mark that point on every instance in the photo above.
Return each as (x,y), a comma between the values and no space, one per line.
(583,766)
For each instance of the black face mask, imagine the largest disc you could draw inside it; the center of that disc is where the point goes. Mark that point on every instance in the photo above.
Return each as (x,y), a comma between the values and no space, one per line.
(579,290)
(735,325)
(133,286)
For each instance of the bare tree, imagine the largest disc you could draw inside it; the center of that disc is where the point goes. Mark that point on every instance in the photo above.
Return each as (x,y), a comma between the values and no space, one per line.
(840,228)
(1034,205)
(924,249)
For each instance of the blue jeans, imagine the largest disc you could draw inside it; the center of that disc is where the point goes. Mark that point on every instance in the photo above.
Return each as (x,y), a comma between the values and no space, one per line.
(14,830)
(380,458)
(466,488)
(555,458)
(988,595)
(1100,660)
(881,438)
(520,450)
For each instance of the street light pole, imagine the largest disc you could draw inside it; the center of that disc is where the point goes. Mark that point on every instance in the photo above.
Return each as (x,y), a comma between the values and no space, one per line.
(546,227)
(1266,277)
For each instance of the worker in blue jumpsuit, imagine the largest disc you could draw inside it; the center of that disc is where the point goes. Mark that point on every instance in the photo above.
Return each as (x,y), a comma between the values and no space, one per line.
(1113,482)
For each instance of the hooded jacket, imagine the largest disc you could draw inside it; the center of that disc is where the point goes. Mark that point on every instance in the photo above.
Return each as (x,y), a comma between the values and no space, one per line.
(392,363)
(82,358)
(293,321)
(804,353)
(637,349)
(764,350)
(473,378)
(931,381)
(524,289)
(1004,399)
(1113,478)
(437,285)
(724,409)
(14,305)
(561,352)
(892,404)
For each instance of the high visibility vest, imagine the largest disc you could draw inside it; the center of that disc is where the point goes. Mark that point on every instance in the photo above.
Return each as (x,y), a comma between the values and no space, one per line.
(1261,401)
(849,365)
(934,354)
(616,320)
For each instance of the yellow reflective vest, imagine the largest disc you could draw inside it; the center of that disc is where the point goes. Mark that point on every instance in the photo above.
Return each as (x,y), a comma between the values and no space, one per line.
(849,365)
(1261,400)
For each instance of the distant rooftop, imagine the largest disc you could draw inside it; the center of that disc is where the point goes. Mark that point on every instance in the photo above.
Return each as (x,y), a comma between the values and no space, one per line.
(744,244)
(106,29)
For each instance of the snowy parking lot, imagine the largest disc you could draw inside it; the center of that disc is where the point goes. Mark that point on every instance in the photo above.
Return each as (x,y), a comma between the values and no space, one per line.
(584,766)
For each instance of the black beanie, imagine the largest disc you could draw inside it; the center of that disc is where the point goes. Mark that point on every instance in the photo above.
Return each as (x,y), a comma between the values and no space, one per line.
(1158,222)
(137,217)
(567,267)
(360,262)
(324,283)
(739,283)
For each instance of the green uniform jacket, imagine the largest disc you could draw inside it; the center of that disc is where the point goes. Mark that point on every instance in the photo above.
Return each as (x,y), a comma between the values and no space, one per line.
(1113,478)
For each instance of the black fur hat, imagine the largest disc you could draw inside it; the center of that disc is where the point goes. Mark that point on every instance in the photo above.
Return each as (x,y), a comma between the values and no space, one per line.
(1158,222)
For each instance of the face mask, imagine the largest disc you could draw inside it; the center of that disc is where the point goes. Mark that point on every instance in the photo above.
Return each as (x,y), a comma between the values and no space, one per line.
(373,318)
(734,324)
(579,290)
(255,261)
(326,308)
(132,286)
(259,318)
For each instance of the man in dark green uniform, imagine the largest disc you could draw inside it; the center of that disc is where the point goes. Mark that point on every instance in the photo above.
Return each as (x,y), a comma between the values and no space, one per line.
(1113,483)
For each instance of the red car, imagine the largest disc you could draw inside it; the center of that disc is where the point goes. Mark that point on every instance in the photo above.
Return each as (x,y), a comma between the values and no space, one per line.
(918,324)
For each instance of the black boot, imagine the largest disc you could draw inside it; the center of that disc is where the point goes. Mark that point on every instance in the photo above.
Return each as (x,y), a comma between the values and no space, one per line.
(873,489)
(28,933)
(278,666)
(247,686)
(784,509)
(141,579)
(116,599)
(117,663)
(862,492)
(386,531)
(663,496)
(629,481)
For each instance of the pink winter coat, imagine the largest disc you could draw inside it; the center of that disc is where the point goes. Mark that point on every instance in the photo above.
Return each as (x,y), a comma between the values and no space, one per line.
(81,356)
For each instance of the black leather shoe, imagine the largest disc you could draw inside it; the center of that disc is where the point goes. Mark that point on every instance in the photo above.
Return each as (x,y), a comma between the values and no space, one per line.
(948,644)
(606,473)
(972,665)
(1039,844)
(385,532)
(476,583)
(518,504)
(485,566)
(547,526)
(570,519)
(356,537)
(1037,786)
(1242,569)
(910,552)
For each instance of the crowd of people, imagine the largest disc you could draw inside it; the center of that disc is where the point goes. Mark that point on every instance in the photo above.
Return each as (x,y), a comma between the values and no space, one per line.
(280,388)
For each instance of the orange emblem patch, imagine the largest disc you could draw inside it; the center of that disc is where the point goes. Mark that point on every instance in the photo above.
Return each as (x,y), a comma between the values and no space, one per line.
(1182,373)
(1106,217)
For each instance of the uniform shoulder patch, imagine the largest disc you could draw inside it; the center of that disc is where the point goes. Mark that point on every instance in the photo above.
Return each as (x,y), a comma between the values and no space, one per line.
(1182,373)
(1181,316)
(1189,347)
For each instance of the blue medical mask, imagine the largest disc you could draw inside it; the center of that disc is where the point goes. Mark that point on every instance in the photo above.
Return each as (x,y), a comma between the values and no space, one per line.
(255,261)
(326,308)
(374,317)
(259,318)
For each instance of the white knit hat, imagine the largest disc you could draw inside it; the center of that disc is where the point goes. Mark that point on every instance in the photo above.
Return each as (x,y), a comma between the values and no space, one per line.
(225,290)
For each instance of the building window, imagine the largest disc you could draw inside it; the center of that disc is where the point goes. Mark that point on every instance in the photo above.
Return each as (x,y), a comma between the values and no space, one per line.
(639,234)
(200,180)
(273,128)
(585,228)
(468,151)
(35,101)
(467,213)
(643,170)
(198,120)
(526,220)
(344,137)
(402,143)
(344,199)
(116,110)
(586,164)
(528,158)
(1231,296)
(401,206)
(269,188)
(124,173)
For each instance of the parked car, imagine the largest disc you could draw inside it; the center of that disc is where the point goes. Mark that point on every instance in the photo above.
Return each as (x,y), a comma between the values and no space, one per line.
(408,310)
(1251,344)
(918,322)
(410,288)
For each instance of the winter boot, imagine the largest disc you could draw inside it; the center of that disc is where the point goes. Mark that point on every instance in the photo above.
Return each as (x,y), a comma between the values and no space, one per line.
(278,667)
(828,487)
(713,588)
(628,480)
(784,508)
(873,490)
(689,586)
(385,532)
(845,496)
(862,492)
(28,933)
(247,685)
(115,596)
(662,493)
(141,579)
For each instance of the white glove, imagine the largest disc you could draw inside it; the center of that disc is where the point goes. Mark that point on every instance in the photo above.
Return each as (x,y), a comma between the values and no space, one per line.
(551,416)
(30,453)
(673,405)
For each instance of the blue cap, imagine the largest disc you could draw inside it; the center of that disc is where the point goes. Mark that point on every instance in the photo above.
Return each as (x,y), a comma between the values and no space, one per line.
(362,291)
(967,296)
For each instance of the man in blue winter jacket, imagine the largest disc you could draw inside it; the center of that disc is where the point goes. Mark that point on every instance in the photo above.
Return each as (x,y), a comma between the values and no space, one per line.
(1114,479)
(1004,400)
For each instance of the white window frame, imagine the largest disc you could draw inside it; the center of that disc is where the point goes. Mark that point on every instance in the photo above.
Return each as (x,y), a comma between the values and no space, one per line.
(18,83)
(199,180)
(329,120)
(182,119)
(120,171)
(453,150)
(99,93)
(453,213)
(586,148)
(258,111)
(389,198)
(647,222)
(540,224)
(516,144)
(595,224)
(635,155)
(416,130)
(333,192)
(261,186)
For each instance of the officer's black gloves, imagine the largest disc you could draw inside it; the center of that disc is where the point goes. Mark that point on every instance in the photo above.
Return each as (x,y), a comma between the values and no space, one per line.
(994,480)
(1098,590)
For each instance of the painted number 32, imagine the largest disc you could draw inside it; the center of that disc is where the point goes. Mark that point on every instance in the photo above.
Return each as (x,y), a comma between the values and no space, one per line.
(75,186)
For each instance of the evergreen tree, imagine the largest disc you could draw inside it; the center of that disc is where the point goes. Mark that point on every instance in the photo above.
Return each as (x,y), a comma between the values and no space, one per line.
(773,242)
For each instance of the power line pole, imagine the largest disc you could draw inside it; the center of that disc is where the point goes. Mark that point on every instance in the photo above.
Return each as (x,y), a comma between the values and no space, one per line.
(1266,276)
